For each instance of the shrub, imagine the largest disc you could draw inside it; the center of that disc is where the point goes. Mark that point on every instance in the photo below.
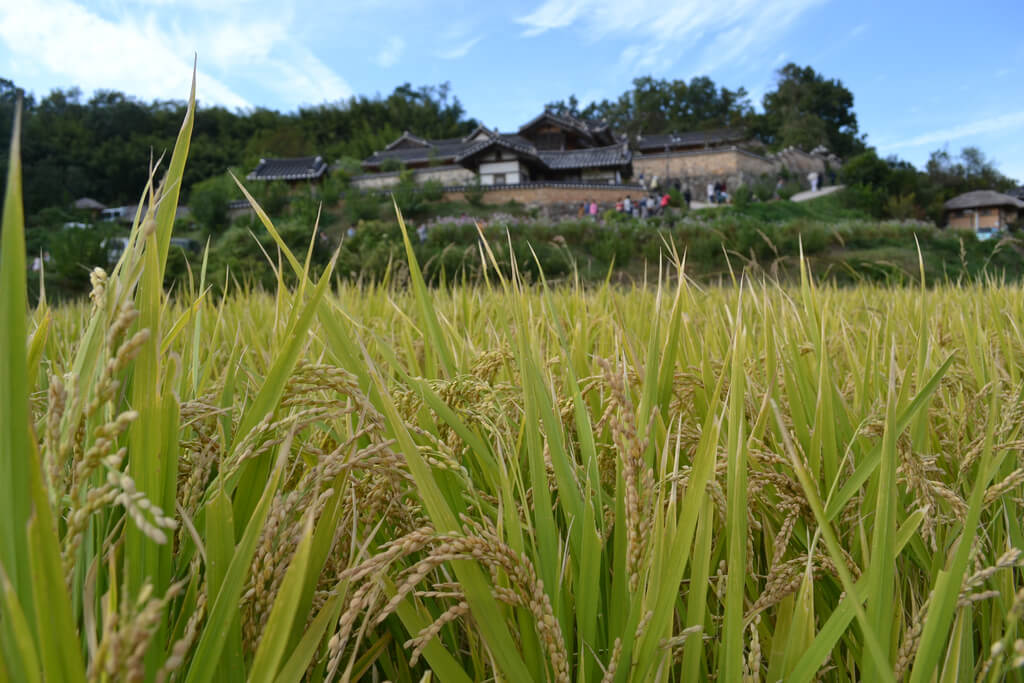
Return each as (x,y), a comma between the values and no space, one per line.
(901,207)
(361,205)
(742,196)
(764,189)
(209,200)
(474,193)
(432,190)
(789,189)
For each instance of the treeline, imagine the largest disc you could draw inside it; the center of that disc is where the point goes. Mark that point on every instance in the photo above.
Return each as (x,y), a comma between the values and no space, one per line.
(73,146)
(894,188)
(805,109)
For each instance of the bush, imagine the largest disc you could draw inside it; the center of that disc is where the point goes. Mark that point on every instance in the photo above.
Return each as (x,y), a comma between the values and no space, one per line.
(361,206)
(764,189)
(432,190)
(74,252)
(789,189)
(902,207)
(391,165)
(676,199)
(272,196)
(209,200)
(408,197)
(742,196)
(868,199)
(475,193)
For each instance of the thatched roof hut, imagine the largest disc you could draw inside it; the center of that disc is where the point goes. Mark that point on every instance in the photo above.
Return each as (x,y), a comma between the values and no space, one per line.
(982,199)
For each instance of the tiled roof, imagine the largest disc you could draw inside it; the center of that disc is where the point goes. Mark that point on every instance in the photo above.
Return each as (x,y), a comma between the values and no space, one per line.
(660,141)
(458,150)
(442,151)
(982,198)
(512,142)
(300,168)
(612,155)
(88,204)
(409,137)
(598,130)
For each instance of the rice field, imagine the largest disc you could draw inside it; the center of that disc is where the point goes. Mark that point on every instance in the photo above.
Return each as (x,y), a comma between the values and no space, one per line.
(505,482)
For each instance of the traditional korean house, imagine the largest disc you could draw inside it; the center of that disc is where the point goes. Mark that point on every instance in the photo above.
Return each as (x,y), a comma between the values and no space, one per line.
(292,171)
(550,148)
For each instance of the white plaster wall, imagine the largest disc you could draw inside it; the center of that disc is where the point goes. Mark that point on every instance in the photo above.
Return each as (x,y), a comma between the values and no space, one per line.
(510,166)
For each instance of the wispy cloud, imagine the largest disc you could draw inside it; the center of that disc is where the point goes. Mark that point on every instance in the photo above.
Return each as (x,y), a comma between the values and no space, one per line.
(726,32)
(995,124)
(858,29)
(139,48)
(461,50)
(553,14)
(390,53)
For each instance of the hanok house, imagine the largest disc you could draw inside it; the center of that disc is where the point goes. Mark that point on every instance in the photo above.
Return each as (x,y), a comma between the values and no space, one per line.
(293,171)
(983,211)
(550,149)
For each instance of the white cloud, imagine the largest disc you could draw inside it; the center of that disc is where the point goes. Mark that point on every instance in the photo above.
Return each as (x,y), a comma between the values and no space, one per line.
(391,52)
(724,32)
(132,47)
(553,14)
(993,124)
(858,29)
(96,53)
(461,50)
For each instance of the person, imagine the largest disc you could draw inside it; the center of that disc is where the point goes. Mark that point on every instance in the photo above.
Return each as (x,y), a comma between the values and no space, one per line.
(779,184)
(812,179)
(627,205)
(652,205)
(711,192)
(582,210)
(618,205)
(687,196)
(642,205)
(422,232)
(831,176)
(593,209)
(665,199)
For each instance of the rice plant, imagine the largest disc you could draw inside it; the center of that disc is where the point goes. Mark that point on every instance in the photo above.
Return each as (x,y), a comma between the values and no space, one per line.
(506,482)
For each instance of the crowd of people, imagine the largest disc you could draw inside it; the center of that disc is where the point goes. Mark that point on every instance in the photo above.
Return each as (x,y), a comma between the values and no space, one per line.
(644,206)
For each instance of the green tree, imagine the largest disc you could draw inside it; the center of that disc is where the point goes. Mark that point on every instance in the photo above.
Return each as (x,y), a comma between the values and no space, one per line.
(806,109)
(209,202)
(661,106)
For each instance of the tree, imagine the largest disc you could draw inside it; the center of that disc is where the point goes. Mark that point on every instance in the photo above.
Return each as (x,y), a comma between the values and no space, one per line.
(209,202)
(972,170)
(808,110)
(663,106)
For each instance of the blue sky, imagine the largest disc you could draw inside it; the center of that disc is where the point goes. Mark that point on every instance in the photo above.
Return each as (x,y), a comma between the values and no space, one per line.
(924,74)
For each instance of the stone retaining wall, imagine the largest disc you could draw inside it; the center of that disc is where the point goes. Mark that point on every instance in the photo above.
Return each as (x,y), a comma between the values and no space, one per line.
(446,175)
(552,199)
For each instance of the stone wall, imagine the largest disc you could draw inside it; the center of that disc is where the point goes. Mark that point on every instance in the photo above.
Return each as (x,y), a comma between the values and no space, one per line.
(446,175)
(734,165)
(695,169)
(554,200)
